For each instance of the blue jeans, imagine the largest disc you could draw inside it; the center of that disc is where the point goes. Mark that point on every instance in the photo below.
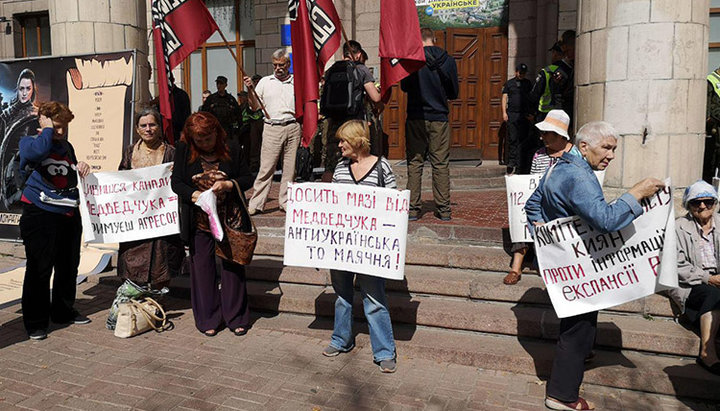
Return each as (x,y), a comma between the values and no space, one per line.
(376,312)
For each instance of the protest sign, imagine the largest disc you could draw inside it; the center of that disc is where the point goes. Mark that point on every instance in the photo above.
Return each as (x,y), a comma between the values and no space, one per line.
(519,188)
(347,227)
(128,205)
(586,270)
(99,90)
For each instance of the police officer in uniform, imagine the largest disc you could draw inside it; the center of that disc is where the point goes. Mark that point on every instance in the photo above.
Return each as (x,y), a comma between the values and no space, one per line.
(223,105)
(516,110)
(712,126)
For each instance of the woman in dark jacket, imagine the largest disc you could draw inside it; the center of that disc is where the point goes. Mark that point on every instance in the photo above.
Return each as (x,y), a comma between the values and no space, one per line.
(154,260)
(50,224)
(203,161)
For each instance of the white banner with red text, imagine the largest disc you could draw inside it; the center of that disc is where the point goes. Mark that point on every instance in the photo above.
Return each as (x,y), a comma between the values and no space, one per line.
(347,227)
(128,205)
(587,270)
(519,188)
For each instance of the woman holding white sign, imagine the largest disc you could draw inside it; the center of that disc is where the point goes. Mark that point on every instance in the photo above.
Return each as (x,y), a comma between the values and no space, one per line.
(570,188)
(359,167)
(154,260)
(698,255)
(204,161)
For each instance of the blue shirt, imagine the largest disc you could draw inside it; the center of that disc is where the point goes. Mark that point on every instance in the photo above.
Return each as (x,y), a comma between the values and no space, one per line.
(571,188)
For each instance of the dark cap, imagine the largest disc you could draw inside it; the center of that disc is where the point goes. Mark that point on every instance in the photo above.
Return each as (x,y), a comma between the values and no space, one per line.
(221,79)
(522,67)
(556,47)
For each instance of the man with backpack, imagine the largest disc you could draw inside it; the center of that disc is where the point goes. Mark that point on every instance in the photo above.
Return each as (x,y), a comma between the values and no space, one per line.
(346,84)
(427,130)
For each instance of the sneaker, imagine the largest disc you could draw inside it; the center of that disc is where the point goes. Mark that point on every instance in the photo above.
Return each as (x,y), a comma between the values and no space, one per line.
(388,366)
(510,170)
(443,217)
(331,351)
(253,211)
(38,335)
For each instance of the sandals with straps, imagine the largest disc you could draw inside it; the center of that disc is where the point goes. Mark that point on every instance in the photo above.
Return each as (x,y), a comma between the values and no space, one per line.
(579,405)
(512,278)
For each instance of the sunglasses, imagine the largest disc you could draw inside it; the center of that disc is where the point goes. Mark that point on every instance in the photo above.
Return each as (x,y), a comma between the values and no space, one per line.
(709,202)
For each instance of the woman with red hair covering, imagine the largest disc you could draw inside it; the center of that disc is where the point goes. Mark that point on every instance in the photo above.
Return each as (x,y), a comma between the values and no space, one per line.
(204,161)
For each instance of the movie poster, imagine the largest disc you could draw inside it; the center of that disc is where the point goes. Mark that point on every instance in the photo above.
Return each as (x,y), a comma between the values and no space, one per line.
(98,88)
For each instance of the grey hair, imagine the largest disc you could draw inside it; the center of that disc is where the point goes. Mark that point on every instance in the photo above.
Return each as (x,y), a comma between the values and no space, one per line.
(593,133)
(280,54)
(150,111)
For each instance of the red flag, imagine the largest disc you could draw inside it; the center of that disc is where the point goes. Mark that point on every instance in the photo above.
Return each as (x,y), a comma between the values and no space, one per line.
(401,48)
(179,28)
(315,36)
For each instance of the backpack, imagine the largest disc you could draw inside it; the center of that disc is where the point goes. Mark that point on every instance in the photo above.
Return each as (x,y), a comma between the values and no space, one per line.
(343,91)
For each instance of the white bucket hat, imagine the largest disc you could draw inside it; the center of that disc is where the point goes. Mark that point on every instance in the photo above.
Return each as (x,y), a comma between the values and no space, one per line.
(557,121)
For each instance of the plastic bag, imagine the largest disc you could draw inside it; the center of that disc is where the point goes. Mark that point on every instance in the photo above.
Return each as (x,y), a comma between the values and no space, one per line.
(207,201)
(126,292)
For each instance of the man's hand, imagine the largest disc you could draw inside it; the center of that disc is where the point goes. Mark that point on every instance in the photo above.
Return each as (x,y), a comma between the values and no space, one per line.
(248,82)
(714,280)
(83,169)
(646,188)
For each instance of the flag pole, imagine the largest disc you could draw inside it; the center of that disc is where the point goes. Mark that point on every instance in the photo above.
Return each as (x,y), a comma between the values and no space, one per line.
(252,89)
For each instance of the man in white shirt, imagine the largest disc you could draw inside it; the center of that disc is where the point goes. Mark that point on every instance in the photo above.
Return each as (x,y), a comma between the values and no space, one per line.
(281,134)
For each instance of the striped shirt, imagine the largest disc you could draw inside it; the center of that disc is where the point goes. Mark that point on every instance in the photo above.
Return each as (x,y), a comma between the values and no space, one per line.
(542,161)
(707,248)
(344,176)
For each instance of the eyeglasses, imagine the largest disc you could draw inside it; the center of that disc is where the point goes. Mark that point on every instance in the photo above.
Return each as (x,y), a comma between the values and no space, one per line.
(709,202)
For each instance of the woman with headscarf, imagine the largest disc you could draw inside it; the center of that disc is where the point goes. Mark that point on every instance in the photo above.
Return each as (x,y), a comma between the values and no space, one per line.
(698,256)
(153,261)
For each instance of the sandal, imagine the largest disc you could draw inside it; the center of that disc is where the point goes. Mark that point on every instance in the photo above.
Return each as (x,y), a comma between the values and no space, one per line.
(240,331)
(210,333)
(713,369)
(580,404)
(512,278)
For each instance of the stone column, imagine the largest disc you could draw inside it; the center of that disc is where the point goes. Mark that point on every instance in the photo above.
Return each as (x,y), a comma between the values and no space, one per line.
(76,27)
(641,65)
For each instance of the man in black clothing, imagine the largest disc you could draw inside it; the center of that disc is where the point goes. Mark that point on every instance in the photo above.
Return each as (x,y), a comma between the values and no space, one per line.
(223,106)
(181,104)
(516,110)
(427,129)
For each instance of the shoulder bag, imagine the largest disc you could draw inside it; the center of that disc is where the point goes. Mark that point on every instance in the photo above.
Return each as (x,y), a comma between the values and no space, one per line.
(240,239)
(136,317)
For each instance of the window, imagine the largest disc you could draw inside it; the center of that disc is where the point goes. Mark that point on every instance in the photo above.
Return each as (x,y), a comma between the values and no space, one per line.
(235,18)
(32,35)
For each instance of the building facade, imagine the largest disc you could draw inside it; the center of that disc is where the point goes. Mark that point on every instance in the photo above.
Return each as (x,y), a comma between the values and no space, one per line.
(641,64)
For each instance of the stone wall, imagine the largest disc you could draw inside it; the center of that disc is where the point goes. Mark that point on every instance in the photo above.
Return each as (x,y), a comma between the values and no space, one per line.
(9,8)
(532,30)
(640,65)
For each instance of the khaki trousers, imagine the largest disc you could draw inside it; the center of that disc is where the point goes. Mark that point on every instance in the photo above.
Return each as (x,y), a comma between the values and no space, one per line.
(428,140)
(277,141)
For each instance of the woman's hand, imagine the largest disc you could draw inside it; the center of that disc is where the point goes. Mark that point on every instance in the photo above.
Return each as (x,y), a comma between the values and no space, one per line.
(223,186)
(45,122)
(646,188)
(195,196)
(714,280)
(83,169)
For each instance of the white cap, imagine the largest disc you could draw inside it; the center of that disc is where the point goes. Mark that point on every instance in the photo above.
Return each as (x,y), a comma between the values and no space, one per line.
(557,121)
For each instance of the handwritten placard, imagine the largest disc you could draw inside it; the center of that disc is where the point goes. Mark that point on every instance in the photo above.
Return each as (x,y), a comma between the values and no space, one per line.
(347,227)
(128,205)
(587,270)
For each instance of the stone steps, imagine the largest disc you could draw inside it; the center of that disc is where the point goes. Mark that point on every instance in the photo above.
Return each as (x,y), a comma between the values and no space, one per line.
(633,370)
(615,330)
(462,177)
(459,183)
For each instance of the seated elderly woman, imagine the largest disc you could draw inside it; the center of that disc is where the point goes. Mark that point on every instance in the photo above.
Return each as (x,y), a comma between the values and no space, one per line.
(698,256)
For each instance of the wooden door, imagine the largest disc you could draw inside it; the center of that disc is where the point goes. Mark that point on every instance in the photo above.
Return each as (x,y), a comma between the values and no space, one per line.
(475,117)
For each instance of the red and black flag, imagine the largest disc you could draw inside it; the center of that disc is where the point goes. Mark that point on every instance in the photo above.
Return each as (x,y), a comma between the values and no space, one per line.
(401,48)
(315,34)
(179,28)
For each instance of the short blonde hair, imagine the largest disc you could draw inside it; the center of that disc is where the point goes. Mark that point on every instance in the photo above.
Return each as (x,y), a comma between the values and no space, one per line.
(356,133)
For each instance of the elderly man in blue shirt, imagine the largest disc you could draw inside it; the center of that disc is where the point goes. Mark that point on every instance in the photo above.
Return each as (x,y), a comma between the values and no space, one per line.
(570,188)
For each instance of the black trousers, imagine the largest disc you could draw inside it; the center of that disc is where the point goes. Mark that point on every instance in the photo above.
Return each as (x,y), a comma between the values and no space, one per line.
(577,335)
(517,136)
(52,241)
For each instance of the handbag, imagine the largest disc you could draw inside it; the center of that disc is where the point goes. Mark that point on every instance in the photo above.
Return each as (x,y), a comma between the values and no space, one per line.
(241,236)
(136,317)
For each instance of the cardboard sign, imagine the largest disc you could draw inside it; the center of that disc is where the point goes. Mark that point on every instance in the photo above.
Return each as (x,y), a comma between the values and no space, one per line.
(347,227)
(128,205)
(519,188)
(586,270)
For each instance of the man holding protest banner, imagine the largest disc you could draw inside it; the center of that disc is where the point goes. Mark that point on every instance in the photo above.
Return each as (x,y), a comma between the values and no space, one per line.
(570,188)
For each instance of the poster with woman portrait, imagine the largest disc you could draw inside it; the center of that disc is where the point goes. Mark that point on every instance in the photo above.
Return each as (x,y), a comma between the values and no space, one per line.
(98,88)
